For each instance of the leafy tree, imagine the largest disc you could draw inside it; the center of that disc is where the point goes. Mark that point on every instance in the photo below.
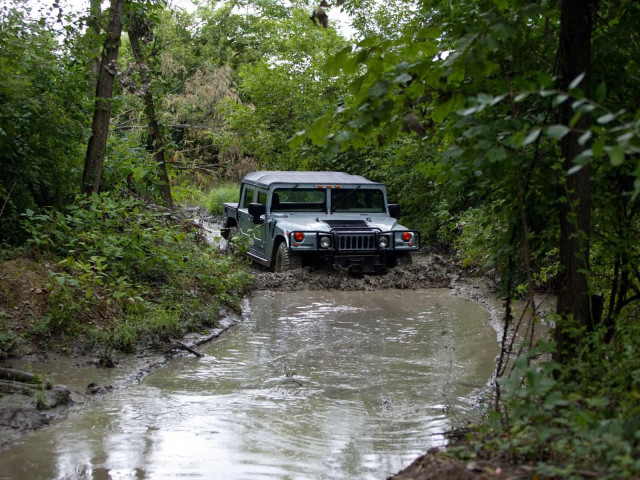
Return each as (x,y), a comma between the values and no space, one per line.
(42,117)
(238,85)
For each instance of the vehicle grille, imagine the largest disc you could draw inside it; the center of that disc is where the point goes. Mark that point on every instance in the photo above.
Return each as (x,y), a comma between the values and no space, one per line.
(356,241)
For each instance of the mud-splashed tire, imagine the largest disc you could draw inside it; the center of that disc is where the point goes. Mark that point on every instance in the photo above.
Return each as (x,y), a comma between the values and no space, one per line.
(226,245)
(285,260)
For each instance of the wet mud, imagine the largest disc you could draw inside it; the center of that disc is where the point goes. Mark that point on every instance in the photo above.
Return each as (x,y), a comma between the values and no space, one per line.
(426,271)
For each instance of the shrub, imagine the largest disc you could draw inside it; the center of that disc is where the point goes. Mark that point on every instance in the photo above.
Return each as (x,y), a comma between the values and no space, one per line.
(126,271)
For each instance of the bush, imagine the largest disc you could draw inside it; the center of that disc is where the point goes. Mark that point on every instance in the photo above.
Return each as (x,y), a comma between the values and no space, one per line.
(570,419)
(126,271)
(222,194)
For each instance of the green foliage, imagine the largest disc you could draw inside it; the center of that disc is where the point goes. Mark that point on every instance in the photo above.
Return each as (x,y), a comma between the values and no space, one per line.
(474,86)
(130,169)
(560,418)
(126,271)
(43,118)
(9,339)
(222,194)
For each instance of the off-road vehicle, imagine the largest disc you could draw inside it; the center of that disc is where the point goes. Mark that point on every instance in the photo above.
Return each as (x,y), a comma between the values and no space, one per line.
(333,217)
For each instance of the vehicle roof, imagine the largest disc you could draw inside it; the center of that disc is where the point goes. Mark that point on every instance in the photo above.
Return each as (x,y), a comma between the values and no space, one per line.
(267,178)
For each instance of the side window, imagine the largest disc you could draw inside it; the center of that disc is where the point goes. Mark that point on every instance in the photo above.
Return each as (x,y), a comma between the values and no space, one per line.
(247,198)
(262,197)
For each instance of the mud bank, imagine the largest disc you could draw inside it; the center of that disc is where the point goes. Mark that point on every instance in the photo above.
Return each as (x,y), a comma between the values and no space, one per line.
(69,383)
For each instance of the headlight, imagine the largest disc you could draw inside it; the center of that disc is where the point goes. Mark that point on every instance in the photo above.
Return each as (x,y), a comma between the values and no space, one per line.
(383,242)
(298,236)
(325,242)
(407,236)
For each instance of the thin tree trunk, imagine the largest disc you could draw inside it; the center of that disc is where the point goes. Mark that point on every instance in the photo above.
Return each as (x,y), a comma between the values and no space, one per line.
(94,29)
(155,135)
(575,213)
(104,92)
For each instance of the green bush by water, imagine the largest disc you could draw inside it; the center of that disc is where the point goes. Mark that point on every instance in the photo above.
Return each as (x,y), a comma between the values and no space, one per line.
(126,272)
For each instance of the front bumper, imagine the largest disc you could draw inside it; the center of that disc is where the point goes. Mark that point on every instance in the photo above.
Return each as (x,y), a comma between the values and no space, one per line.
(362,249)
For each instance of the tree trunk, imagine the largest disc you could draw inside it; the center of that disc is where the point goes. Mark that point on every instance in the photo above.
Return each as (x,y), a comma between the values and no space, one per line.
(135,31)
(575,212)
(93,24)
(102,113)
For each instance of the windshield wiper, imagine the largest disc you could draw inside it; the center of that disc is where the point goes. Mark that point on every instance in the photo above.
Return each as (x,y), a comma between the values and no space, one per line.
(333,207)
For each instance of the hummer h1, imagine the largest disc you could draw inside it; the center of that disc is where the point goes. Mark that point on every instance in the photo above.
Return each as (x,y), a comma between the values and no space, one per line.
(333,217)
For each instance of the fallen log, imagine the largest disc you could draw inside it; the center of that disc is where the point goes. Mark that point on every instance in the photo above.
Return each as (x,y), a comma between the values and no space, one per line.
(19,376)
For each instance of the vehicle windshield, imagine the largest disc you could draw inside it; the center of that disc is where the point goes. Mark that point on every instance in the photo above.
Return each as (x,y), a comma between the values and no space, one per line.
(357,200)
(298,200)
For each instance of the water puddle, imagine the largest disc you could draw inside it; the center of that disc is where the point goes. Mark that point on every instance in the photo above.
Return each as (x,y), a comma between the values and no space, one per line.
(313,385)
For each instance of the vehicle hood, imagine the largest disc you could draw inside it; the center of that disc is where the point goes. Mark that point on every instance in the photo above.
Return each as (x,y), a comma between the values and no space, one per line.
(325,222)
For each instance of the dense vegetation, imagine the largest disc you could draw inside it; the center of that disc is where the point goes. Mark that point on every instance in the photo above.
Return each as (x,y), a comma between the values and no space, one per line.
(507,131)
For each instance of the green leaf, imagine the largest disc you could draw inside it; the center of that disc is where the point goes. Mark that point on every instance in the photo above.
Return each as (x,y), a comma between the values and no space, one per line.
(576,81)
(616,155)
(344,136)
(378,90)
(598,147)
(403,78)
(559,99)
(601,92)
(319,130)
(584,138)
(558,132)
(606,118)
(496,154)
(531,137)
(575,169)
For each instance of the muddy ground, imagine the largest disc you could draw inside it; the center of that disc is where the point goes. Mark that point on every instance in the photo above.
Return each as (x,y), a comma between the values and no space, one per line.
(27,407)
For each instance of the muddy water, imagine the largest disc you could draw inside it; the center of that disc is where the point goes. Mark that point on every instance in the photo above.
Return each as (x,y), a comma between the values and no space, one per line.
(313,385)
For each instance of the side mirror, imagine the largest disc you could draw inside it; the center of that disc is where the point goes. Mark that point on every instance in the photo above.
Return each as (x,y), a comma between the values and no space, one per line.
(394,210)
(256,210)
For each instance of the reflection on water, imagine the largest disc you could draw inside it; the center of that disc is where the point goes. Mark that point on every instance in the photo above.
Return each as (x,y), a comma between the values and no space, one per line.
(313,385)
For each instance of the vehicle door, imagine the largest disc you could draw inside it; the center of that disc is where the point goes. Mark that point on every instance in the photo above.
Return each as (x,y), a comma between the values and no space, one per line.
(245,221)
(260,229)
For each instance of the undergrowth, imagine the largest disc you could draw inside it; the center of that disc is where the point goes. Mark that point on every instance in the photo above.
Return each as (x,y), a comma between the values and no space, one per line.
(124,272)
(212,198)
(573,421)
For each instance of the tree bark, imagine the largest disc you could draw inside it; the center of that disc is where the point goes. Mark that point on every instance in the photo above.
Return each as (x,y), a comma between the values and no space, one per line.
(93,24)
(574,305)
(104,92)
(155,135)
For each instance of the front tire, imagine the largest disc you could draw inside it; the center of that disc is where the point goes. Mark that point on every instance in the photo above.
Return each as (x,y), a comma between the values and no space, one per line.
(285,260)
(227,245)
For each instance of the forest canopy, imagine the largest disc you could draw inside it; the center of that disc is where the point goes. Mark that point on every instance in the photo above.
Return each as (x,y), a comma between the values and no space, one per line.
(508,132)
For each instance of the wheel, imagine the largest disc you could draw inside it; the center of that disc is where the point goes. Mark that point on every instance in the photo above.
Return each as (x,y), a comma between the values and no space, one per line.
(285,260)
(226,244)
